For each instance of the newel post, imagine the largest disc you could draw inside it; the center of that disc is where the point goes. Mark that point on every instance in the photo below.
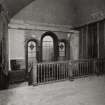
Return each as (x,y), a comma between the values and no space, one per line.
(34,74)
(70,71)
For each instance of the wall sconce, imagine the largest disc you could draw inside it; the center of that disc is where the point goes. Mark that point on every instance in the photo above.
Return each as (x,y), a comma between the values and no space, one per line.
(69,35)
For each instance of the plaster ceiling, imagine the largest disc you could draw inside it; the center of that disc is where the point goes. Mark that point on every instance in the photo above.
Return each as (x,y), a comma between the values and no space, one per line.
(14,6)
(84,9)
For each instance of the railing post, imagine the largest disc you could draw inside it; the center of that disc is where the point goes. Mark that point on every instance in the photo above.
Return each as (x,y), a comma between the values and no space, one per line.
(34,75)
(70,71)
(94,66)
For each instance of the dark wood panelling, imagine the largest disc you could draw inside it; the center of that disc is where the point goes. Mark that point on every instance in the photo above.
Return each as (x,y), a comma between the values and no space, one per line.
(92,40)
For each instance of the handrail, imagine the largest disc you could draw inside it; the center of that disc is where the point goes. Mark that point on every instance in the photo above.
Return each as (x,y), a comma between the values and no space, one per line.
(72,61)
(53,62)
(58,70)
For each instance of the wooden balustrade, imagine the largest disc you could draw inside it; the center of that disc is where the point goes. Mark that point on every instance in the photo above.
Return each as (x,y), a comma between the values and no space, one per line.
(52,71)
(64,70)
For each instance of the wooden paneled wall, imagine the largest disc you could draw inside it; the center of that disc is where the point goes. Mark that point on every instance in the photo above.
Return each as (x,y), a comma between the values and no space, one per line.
(92,40)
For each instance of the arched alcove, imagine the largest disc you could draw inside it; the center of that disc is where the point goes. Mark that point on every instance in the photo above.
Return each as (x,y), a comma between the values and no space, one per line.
(49,46)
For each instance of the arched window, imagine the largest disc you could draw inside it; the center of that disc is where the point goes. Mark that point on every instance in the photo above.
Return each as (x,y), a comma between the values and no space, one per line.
(31,52)
(47,48)
(61,49)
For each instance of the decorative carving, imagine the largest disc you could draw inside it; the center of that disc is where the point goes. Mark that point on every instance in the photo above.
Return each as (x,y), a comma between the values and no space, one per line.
(31,46)
(97,15)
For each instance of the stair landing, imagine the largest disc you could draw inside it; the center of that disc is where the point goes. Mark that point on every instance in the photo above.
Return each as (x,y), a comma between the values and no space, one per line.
(83,91)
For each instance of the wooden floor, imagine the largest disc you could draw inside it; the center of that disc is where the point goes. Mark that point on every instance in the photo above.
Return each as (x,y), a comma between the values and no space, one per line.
(83,91)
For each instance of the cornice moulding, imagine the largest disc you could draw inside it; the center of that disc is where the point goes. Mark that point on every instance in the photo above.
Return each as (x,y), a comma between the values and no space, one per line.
(29,25)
